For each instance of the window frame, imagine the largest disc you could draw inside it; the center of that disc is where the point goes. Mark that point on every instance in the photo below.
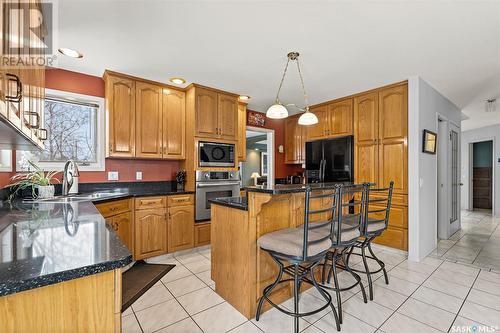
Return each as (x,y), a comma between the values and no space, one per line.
(8,156)
(99,165)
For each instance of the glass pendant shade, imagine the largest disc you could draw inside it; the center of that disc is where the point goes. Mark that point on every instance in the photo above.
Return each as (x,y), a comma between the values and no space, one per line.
(308,118)
(277,111)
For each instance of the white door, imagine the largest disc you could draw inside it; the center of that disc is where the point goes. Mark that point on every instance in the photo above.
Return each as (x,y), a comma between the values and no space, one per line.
(454,158)
(443,231)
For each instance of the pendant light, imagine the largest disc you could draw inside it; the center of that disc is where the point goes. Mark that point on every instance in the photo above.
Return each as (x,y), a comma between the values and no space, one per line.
(279,111)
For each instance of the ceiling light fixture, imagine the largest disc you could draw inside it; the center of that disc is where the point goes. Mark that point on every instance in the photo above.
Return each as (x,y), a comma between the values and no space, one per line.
(70,52)
(490,105)
(244,97)
(177,80)
(279,111)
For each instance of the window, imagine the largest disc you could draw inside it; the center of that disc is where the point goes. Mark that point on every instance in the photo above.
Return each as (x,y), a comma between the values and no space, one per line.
(75,130)
(5,161)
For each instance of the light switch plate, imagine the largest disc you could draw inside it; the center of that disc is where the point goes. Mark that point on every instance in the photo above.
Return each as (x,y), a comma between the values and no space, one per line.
(112,175)
(138,175)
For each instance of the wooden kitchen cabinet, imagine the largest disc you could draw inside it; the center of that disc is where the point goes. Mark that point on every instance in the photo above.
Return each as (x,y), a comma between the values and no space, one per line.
(123,225)
(294,141)
(150,233)
(216,115)
(174,124)
(120,114)
(180,228)
(318,131)
(242,127)
(202,234)
(148,113)
(334,119)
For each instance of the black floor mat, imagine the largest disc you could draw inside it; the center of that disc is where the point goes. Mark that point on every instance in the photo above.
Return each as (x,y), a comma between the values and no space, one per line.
(139,278)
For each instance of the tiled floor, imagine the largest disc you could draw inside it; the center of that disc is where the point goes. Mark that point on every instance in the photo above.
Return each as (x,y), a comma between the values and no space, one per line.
(434,295)
(477,243)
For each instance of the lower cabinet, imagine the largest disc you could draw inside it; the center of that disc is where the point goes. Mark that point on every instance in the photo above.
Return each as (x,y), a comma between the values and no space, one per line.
(202,234)
(150,233)
(180,228)
(123,225)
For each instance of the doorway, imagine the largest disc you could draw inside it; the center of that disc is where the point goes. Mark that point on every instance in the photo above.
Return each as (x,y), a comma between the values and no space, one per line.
(258,166)
(482,175)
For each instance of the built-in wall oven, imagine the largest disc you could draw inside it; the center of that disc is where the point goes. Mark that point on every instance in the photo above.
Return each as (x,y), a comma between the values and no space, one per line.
(211,185)
(216,154)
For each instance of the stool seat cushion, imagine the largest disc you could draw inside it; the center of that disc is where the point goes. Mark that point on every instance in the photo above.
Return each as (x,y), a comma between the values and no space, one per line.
(290,242)
(346,235)
(375,225)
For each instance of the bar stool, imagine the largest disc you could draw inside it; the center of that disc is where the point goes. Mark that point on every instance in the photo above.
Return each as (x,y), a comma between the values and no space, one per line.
(303,249)
(376,221)
(347,230)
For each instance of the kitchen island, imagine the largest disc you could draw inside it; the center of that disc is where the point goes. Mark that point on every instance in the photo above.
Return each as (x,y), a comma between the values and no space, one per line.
(239,268)
(60,268)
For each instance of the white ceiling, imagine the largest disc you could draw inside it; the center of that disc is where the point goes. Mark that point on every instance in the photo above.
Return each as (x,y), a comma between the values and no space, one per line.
(345,46)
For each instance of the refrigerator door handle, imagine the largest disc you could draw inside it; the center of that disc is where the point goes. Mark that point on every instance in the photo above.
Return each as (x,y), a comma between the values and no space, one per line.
(322,170)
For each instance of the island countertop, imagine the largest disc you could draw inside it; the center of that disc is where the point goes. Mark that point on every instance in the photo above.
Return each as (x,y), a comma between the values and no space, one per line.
(47,243)
(292,188)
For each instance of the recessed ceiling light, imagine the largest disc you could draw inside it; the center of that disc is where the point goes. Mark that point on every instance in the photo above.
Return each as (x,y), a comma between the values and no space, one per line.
(70,52)
(244,98)
(177,80)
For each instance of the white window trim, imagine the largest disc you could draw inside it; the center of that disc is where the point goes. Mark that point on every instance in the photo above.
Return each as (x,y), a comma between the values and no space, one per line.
(99,165)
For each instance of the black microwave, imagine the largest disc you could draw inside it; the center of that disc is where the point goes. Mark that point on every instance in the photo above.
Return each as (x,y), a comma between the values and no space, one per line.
(215,154)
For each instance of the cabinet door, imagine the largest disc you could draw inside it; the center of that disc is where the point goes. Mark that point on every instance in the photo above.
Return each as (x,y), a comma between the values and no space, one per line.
(292,141)
(174,124)
(366,118)
(120,111)
(318,131)
(206,113)
(340,115)
(180,228)
(150,233)
(242,127)
(366,164)
(149,136)
(228,117)
(123,226)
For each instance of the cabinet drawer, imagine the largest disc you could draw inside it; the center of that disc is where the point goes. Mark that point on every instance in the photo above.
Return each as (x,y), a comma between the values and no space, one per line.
(394,237)
(114,207)
(398,217)
(180,200)
(149,203)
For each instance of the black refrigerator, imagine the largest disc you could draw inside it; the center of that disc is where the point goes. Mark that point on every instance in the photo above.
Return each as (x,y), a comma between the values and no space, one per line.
(330,160)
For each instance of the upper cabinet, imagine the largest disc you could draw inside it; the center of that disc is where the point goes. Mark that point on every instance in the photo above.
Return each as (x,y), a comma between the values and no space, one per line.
(216,115)
(334,119)
(145,120)
(242,126)
(294,141)
(120,112)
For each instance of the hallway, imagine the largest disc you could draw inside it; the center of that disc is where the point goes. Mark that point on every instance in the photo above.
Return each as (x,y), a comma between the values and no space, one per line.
(477,243)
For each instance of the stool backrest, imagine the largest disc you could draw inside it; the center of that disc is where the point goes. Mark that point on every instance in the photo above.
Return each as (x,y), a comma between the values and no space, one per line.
(320,211)
(351,214)
(378,207)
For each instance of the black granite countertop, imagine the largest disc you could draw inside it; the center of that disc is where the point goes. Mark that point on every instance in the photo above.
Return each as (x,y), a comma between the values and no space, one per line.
(233,202)
(292,188)
(45,243)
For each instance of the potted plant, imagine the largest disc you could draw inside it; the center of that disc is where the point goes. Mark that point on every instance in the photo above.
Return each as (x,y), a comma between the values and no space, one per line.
(180,177)
(37,179)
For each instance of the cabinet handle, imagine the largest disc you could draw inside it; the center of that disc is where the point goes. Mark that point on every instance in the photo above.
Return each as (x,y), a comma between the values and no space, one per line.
(19,89)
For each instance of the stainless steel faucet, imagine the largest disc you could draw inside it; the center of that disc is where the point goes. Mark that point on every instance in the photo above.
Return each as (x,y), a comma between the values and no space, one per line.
(70,171)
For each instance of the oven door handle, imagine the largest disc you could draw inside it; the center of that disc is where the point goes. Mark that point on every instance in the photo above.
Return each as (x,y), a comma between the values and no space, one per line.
(217,184)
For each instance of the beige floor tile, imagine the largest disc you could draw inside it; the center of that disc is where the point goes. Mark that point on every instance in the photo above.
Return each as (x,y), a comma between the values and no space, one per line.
(490,287)
(455,277)
(432,261)
(198,266)
(307,303)
(446,287)
(462,324)
(160,316)
(350,324)
(184,326)
(163,259)
(398,285)
(199,300)
(312,329)
(184,285)
(418,267)
(489,276)
(386,297)
(484,298)
(176,273)
(371,312)
(155,295)
(404,274)
(247,327)
(480,314)
(459,268)
(220,318)
(399,323)
(437,298)
(130,324)
(277,322)
(127,312)
(427,314)
(206,277)
(189,257)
